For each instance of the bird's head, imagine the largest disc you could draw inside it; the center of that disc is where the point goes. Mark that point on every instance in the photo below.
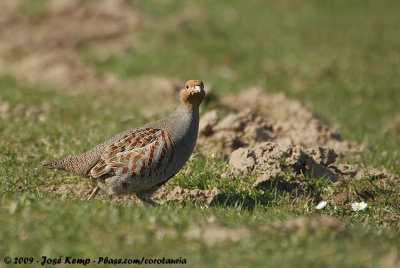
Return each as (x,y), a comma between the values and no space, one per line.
(193,94)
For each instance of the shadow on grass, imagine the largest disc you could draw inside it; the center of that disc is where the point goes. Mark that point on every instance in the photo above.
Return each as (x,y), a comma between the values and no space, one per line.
(266,195)
(238,200)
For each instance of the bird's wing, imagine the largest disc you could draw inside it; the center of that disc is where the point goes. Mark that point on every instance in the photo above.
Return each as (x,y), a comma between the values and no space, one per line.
(145,151)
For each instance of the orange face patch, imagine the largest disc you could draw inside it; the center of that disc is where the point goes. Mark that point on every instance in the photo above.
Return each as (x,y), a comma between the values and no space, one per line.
(193,94)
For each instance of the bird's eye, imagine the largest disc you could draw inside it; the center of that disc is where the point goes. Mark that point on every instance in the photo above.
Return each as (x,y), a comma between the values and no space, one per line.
(187,87)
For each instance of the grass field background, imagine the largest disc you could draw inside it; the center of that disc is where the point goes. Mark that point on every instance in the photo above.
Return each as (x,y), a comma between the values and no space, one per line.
(342,58)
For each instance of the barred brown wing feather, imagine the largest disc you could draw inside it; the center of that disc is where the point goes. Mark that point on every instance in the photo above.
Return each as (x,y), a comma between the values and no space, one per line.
(143,152)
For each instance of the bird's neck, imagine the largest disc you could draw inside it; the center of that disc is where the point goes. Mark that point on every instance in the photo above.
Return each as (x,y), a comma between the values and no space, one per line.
(184,121)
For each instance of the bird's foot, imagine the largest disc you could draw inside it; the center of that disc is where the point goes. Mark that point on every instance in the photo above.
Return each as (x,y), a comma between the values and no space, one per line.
(149,203)
(145,198)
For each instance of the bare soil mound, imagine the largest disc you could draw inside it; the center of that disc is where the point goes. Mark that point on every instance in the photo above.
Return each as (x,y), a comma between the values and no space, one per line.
(261,117)
(65,24)
(247,129)
(43,50)
(281,141)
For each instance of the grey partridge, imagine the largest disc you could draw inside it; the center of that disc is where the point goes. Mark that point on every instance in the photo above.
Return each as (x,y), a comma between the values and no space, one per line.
(140,160)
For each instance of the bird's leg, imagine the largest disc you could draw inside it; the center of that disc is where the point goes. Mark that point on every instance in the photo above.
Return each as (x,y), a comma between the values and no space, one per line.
(145,196)
(94,192)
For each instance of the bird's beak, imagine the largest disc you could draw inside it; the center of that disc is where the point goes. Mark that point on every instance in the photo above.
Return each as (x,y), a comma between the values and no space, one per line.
(197,89)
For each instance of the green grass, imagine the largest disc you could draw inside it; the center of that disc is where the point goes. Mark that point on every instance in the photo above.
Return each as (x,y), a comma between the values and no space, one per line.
(340,57)
(35,223)
(84,229)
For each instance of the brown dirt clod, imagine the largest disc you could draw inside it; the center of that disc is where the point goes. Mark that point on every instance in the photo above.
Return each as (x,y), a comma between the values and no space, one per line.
(214,233)
(5,109)
(277,163)
(234,131)
(393,127)
(303,225)
(30,112)
(181,194)
(164,194)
